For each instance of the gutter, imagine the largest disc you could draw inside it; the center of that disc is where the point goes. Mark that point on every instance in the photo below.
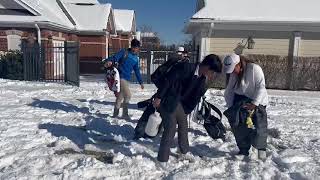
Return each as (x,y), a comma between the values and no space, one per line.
(206,20)
(253,25)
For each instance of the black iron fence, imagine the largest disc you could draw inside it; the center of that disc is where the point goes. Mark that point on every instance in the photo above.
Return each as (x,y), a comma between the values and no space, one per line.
(150,60)
(52,62)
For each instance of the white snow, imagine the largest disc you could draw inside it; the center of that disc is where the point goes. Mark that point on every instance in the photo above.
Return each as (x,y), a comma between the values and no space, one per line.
(124,19)
(260,10)
(89,17)
(56,131)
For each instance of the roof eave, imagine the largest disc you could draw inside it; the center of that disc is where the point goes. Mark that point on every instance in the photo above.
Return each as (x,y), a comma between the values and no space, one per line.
(196,23)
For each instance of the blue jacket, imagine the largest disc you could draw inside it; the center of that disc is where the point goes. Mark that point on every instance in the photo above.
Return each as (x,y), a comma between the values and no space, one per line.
(129,64)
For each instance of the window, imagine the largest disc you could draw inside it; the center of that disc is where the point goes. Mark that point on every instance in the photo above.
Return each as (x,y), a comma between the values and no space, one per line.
(14,42)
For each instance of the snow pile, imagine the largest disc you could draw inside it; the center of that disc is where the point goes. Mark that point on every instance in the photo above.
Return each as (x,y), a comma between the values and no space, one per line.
(54,131)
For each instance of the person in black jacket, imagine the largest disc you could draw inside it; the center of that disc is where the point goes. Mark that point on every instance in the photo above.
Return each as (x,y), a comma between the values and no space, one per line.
(173,60)
(185,84)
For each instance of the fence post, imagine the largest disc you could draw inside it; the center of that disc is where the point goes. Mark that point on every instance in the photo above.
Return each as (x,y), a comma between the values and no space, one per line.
(24,55)
(149,58)
(166,56)
(65,61)
(294,47)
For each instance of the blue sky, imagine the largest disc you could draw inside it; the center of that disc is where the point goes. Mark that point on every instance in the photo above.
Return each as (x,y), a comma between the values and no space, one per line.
(167,17)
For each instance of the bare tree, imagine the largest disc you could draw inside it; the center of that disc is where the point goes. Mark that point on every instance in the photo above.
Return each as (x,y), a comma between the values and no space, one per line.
(145,28)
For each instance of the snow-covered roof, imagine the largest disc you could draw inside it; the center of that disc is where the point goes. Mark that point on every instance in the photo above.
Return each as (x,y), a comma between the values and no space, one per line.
(89,17)
(258,10)
(49,11)
(124,20)
(82,1)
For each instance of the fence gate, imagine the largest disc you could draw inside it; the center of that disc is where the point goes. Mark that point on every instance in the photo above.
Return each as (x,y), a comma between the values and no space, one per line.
(57,61)
(72,63)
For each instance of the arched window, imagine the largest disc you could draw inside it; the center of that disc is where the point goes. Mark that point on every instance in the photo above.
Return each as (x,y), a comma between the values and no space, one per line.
(14,42)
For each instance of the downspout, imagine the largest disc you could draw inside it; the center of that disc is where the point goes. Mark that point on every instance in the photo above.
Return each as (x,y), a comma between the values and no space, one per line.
(38,34)
(209,36)
(204,49)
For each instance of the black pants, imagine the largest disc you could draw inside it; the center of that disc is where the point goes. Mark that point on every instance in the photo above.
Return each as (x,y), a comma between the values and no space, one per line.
(170,121)
(246,137)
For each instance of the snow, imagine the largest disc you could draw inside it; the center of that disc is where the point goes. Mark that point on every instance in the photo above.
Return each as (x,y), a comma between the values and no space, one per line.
(124,19)
(95,20)
(259,10)
(49,10)
(81,1)
(56,131)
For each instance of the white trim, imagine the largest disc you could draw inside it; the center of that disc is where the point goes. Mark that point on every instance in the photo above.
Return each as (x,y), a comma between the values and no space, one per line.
(195,24)
(30,9)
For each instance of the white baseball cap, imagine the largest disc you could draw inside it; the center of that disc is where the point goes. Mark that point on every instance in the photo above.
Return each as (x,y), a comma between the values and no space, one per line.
(230,63)
(180,50)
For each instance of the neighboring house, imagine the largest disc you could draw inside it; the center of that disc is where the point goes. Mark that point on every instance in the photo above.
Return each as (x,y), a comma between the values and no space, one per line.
(285,28)
(36,22)
(125,21)
(150,40)
(286,35)
(51,22)
(30,19)
(95,25)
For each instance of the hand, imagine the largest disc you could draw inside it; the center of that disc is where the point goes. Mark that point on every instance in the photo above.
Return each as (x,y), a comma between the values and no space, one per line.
(142,86)
(156,102)
(108,64)
(249,106)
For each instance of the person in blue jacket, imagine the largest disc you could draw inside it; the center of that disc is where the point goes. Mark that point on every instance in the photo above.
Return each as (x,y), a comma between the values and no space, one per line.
(128,61)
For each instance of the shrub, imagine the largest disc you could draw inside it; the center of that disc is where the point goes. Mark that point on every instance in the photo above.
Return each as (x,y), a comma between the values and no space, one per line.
(11,65)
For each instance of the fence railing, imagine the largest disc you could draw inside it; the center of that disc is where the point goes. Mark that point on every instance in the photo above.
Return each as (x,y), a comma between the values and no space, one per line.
(151,60)
(54,62)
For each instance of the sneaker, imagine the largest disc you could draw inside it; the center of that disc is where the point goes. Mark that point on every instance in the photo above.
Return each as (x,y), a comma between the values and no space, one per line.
(126,117)
(186,157)
(262,155)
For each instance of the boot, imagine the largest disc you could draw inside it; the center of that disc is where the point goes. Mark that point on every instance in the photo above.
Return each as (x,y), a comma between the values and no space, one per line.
(115,112)
(125,112)
(262,155)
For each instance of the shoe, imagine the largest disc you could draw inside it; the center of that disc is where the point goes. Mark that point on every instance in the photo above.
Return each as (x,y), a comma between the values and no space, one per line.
(115,112)
(186,157)
(262,155)
(125,113)
(243,152)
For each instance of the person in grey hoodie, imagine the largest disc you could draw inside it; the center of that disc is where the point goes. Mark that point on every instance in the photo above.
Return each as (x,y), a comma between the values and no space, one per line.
(246,81)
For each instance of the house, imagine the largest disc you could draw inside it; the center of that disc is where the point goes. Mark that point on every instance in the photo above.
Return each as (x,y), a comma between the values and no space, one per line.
(33,21)
(285,28)
(94,30)
(51,22)
(125,22)
(150,40)
(282,36)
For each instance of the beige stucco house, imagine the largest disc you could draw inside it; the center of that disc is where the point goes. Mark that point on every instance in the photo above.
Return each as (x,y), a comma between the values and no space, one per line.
(282,28)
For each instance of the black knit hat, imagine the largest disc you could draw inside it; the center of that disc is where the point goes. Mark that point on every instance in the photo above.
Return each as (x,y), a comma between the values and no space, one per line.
(213,61)
(135,43)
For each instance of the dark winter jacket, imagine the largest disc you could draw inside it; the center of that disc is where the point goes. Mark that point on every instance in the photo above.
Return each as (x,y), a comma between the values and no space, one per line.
(182,85)
(236,114)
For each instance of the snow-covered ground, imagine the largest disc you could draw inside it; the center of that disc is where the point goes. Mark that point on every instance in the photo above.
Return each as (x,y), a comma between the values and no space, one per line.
(55,131)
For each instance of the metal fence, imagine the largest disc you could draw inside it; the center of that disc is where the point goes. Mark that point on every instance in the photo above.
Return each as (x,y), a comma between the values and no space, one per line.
(151,60)
(52,62)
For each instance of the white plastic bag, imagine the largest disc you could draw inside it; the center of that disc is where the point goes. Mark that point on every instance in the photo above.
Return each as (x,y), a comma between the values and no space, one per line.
(153,124)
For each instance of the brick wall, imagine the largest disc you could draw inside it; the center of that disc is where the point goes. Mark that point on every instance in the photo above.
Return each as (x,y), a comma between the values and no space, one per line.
(92,50)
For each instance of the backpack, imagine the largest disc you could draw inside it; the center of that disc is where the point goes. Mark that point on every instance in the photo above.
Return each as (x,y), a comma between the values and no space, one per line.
(121,61)
(158,76)
(211,123)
